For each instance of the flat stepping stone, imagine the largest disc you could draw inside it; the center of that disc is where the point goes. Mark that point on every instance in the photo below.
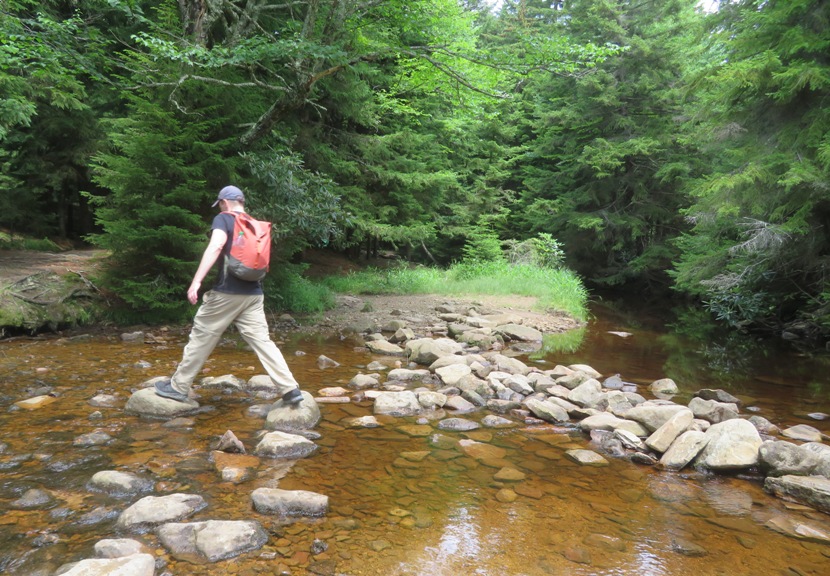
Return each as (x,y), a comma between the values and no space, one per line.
(803,432)
(586,458)
(213,540)
(458,425)
(145,402)
(509,475)
(154,510)
(284,445)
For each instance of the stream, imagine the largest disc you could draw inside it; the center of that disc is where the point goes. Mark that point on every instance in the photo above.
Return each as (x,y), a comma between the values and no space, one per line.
(394,515)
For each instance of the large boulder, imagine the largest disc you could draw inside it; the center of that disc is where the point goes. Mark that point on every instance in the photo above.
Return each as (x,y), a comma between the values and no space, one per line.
(153,510)
(779,458)
(289,502)
(302,416)
(732,445)
(427,350)
(145,402)
(813,491)
(284,445)
(213,540)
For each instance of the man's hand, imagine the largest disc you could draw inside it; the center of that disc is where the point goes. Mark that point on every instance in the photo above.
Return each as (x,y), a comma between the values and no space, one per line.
(193,292)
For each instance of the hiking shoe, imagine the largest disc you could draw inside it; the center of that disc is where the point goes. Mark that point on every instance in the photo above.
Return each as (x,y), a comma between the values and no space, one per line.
(292,397)
(164,388)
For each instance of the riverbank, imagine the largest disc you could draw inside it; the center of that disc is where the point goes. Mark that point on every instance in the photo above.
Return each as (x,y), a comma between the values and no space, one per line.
(44,291)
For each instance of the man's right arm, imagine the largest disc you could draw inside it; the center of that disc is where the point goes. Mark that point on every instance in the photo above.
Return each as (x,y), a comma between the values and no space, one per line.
(212,252)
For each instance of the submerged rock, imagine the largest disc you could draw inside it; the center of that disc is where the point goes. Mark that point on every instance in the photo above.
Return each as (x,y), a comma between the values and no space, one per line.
(732,444)
(135,565)
(118,483)
(32,499)
(289,502)
(586,458)
(813,491)
(118,548)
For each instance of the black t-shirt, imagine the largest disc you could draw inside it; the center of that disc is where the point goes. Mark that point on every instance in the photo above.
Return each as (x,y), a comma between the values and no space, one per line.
(228,283)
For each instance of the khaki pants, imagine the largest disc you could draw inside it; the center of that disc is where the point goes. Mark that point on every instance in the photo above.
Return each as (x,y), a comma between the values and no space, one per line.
(217,312)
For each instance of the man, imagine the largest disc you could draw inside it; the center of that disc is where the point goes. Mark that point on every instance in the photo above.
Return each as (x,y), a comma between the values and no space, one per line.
(231,300)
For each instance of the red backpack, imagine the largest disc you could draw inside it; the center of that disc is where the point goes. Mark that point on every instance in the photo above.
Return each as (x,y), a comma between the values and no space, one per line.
(250,248)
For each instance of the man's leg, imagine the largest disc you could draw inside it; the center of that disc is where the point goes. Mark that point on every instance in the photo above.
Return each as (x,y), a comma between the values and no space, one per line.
(215,314)
(253,327)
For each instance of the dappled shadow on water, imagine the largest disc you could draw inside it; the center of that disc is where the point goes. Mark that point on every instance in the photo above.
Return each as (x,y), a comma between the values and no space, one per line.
(399,503)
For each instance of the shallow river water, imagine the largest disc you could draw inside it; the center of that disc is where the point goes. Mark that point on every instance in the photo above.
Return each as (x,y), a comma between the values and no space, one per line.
(394,515)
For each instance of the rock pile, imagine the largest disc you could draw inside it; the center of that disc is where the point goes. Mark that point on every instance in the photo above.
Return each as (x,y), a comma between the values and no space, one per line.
(469,369)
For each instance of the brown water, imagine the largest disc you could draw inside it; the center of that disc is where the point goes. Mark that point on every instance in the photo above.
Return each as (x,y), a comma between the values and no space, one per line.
(391,514)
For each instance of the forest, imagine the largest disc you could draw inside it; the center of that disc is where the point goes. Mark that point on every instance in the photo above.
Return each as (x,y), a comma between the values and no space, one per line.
(667,147)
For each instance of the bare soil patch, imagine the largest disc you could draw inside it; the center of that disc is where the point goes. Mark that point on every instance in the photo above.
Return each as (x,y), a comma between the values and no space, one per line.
(419,311)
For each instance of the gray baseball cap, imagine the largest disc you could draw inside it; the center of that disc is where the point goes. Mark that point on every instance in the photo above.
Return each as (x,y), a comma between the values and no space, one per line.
(230,193)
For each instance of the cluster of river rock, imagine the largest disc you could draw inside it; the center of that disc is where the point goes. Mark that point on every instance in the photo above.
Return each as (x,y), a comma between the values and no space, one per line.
(467,376)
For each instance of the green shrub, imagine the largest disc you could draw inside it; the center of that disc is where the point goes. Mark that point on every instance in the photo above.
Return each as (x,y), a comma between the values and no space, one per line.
(289,291)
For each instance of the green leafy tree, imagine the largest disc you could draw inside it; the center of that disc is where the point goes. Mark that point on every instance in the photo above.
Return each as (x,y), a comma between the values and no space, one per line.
(162,174)
(605,155)
(759,248)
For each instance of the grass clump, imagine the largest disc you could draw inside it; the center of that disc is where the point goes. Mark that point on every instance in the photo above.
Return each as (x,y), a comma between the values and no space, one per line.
(555,288)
